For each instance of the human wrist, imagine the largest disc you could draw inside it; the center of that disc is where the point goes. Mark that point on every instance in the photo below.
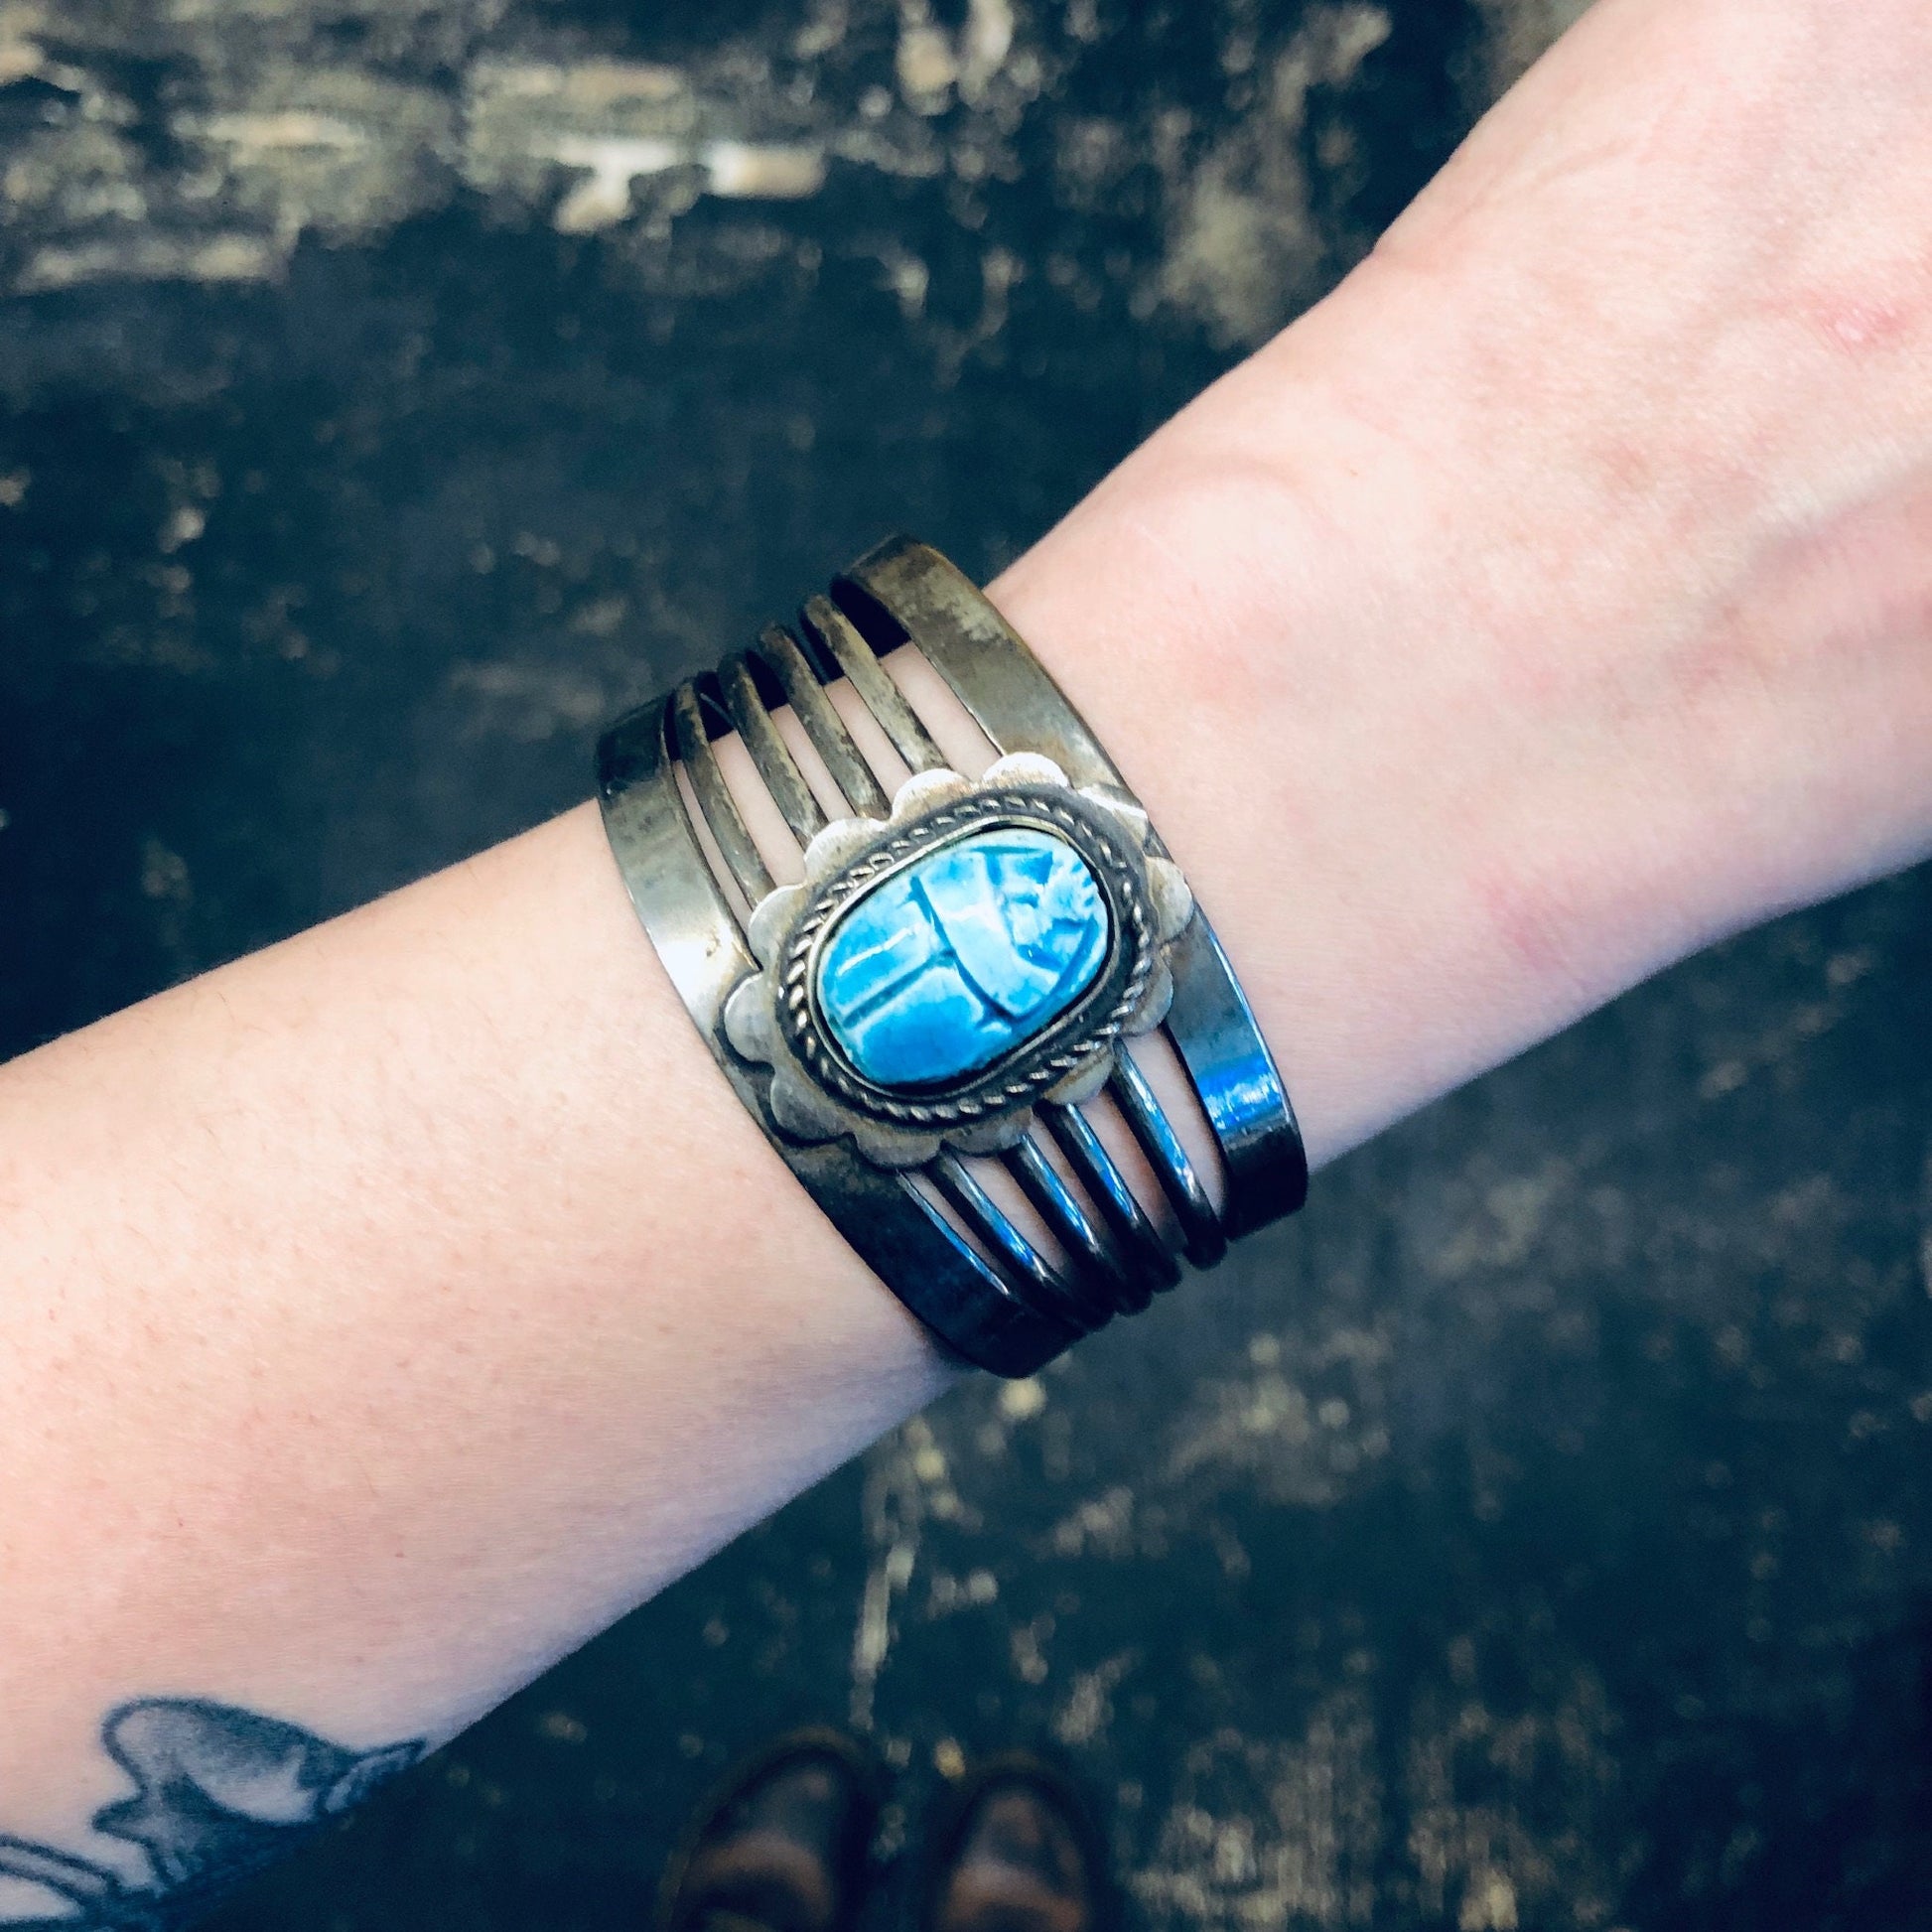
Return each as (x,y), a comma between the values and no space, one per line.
(1443,784)
(1551,600)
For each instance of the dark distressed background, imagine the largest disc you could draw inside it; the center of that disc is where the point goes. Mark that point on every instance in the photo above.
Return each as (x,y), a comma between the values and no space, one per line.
(1537,1535)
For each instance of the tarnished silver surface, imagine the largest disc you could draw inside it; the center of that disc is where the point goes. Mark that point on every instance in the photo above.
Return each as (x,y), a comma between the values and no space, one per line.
(901,1238)
(879,1162)
(923,596)
(843,759)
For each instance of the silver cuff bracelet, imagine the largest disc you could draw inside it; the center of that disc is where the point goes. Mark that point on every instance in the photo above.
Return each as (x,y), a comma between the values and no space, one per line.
(959,974)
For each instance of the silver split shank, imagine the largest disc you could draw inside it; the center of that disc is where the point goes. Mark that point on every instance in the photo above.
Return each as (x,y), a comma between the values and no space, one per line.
(881,1158)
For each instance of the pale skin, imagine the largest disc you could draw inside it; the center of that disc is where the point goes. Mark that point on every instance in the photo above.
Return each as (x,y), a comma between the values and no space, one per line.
(389,1312)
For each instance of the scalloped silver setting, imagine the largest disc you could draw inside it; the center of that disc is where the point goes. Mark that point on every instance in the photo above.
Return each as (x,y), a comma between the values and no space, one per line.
(815,1095)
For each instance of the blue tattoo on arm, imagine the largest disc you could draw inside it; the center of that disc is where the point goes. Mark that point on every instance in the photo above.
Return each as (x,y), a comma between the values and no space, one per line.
(219,1792)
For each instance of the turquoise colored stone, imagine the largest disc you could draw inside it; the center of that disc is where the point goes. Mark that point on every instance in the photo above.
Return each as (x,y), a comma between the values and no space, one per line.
(961,956)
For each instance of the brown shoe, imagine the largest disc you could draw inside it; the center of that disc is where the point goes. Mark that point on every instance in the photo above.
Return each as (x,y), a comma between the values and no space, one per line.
(781,1845)
(1016,1851)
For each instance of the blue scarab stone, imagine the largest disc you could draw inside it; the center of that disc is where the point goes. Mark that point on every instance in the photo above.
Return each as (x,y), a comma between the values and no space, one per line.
(961,956)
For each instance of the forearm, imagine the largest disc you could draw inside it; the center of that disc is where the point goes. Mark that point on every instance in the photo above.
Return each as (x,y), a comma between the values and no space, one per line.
(389,1312)
(396,1307)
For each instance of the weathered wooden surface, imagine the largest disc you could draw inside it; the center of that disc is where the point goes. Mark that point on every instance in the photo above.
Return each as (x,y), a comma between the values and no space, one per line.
(1537,1535)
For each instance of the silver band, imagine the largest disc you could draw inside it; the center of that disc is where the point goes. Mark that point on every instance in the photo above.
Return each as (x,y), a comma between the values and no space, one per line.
(991,1295)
